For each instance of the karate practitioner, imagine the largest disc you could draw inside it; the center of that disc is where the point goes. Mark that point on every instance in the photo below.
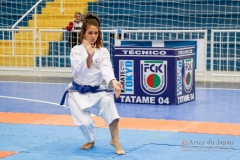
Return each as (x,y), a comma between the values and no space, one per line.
(91,64)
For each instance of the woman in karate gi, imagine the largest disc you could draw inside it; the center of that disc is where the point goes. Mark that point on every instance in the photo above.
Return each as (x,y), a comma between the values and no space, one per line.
(91,64)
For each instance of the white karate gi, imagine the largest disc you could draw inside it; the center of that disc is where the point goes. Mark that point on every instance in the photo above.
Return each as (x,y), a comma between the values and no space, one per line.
(81,105)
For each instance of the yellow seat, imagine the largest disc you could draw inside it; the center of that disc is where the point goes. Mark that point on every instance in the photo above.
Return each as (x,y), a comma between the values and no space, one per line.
(51,18)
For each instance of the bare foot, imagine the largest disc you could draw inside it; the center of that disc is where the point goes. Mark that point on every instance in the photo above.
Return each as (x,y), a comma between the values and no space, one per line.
(87,146)
(117,146)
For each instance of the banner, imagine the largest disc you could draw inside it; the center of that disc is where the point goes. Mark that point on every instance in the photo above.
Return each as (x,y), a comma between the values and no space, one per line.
(200,49)
(155,75)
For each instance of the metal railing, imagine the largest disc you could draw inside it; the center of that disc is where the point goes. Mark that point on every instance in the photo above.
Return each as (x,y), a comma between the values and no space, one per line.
(17,54)
(225,52)
(165,35)
(58,57)
(50,53)
(34,7)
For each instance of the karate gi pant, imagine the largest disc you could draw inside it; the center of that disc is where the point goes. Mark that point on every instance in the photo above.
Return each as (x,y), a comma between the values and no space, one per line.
(106,108)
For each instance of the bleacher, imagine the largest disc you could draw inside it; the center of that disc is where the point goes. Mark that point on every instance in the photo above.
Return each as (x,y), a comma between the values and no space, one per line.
(58,56)
(12,10)
(144,14)
(47,17)
(153,14)
(172,15)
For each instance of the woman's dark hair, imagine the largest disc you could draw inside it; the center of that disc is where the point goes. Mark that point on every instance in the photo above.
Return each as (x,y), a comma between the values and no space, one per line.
(93,20)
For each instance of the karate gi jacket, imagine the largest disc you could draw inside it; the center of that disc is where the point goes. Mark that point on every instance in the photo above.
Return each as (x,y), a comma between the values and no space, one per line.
(101,69)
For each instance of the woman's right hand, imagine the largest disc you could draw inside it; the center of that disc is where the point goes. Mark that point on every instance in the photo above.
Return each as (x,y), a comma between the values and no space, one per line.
(90,50)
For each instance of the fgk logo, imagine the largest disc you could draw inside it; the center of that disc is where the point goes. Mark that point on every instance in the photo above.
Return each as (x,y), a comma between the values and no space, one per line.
(153,76)
(188,74)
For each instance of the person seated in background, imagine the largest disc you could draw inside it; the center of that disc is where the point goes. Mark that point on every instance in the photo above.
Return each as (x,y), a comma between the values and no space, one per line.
(73,27)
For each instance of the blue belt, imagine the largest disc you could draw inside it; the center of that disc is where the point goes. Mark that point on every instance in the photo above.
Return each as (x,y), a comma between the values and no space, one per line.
(81,89)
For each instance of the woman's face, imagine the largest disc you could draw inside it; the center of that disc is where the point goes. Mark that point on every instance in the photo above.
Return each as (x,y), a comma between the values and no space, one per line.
(91,34)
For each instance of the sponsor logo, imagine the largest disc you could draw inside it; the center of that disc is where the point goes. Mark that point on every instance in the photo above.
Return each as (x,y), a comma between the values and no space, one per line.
(126,76)
(153,76)
(179,77)
(188,74)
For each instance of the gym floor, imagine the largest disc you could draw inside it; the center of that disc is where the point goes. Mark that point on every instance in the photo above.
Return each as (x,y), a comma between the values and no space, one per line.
(34,127)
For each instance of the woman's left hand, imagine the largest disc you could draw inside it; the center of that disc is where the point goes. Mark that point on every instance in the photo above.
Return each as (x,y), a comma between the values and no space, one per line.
(117,88)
